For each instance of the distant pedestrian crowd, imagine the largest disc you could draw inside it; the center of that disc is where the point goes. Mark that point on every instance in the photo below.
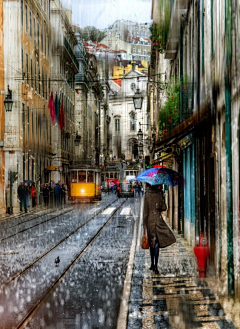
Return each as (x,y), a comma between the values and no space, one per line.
(28,196)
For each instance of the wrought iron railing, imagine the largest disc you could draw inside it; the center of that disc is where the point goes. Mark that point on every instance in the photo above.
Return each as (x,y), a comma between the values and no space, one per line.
(70,51)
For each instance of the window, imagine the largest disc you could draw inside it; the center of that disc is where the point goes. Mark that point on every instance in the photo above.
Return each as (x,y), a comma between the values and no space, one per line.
(26,17)
(212,30)
(30,23)
(34,30)
(28,121)
(35,76)
(32,125)
(134,50)
(27,68)
(132,122)
(117,125)
(39,81)
(139,51)
(22,12)
(22,66)
(203,16)
(42,83)
(31,73)
(133,86)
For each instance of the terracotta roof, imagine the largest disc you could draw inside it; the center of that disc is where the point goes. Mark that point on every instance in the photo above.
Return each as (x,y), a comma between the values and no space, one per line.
(118,81)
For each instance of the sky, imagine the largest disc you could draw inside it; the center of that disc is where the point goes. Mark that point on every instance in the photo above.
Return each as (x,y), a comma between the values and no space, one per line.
(102,13)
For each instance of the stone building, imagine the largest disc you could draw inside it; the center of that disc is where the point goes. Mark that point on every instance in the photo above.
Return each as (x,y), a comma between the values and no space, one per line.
(126,121)
(201,135)
(64,68)
(27,64)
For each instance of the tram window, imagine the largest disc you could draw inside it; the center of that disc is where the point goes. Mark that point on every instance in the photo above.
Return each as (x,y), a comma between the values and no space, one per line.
(74,177)
(107,175)
(115,175)
(81,176)
(111,175)
(90,177)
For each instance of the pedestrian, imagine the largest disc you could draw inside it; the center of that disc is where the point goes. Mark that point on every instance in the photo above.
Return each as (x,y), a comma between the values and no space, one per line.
(28,189)
(57,191)
(158,232)
(7,198)
(45,193)
(139,187)
(63,194)
(34,195)
(22,196)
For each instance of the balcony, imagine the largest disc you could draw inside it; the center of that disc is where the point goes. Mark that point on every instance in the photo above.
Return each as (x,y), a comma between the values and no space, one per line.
(178,107)
(81,78)
(70,52)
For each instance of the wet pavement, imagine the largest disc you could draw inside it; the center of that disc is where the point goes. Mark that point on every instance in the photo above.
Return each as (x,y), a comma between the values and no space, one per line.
(111,286)
(175,298)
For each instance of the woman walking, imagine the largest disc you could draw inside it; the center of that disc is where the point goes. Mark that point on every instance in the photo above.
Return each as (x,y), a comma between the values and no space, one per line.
(159,234)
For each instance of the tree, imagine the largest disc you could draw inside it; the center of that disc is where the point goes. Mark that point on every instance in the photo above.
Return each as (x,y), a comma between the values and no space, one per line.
(92,33)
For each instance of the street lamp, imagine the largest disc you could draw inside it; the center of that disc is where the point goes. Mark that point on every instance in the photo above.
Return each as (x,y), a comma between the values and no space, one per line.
(77,139)
(8,102)
(140,141)
(138,99)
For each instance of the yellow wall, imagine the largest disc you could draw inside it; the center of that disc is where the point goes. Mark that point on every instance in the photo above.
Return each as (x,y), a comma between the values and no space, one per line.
(118,70)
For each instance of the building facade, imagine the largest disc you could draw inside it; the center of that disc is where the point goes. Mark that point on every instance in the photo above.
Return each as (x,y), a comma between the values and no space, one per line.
(64,68)
(202,136)
(27,63)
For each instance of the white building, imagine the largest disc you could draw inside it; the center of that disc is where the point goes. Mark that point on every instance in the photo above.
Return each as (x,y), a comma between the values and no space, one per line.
(126,121)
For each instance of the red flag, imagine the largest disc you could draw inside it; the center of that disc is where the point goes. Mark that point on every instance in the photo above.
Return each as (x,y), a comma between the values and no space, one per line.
(51,107)
(61,117)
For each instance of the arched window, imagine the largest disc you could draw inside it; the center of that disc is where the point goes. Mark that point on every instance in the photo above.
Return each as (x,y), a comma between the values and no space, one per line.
(117,124)
(132,121)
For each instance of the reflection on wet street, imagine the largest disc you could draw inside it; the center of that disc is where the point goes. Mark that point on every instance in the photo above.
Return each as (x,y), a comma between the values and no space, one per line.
(175,298)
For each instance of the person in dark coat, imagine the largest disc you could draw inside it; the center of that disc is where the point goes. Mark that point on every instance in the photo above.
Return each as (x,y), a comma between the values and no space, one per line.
(45,193)
(159,234)
(57,191)
(22,196)
(34,195)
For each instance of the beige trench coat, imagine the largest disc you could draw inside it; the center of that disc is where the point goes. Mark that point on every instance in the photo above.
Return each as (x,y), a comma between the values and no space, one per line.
(154,204)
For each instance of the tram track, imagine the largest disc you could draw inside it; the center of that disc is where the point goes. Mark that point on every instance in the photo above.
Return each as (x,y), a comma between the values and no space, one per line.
(56,245)
(46,293)
(37,224)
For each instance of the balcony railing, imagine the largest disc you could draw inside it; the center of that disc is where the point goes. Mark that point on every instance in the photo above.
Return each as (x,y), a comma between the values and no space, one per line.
(71,53)
(178,108)
(81,78)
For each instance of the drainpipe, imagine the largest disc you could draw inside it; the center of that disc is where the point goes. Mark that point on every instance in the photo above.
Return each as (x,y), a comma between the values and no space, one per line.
(228,140)
(198,148)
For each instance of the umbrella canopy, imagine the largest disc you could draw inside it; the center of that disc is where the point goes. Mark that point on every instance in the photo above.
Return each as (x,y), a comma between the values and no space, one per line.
(28,181)
(156,176)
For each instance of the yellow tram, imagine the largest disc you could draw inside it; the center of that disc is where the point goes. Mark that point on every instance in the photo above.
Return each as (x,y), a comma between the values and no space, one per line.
(85,183)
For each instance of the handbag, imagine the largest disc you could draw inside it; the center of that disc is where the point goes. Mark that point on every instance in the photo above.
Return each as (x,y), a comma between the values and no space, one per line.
(145,243)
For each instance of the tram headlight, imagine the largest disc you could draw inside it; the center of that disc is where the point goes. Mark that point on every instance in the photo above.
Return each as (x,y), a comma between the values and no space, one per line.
(82,191)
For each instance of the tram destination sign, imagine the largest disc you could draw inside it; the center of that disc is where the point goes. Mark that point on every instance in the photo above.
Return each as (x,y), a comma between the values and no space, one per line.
(52,168)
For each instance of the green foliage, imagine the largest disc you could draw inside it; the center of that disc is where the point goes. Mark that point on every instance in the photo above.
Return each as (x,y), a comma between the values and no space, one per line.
(92,33)
(160,31)
(169,113)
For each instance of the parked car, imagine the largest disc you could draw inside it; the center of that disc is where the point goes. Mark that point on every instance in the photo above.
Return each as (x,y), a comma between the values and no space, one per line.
(125,190)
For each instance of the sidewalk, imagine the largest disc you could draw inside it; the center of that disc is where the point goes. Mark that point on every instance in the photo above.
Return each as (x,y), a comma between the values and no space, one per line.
(175,298)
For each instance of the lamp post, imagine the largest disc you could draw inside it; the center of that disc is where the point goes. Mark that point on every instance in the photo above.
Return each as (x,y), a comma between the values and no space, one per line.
(8,102)
(140,142)
(137,99)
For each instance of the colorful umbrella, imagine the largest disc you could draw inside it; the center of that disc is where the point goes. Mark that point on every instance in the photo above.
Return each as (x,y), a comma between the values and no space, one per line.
(156,176)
